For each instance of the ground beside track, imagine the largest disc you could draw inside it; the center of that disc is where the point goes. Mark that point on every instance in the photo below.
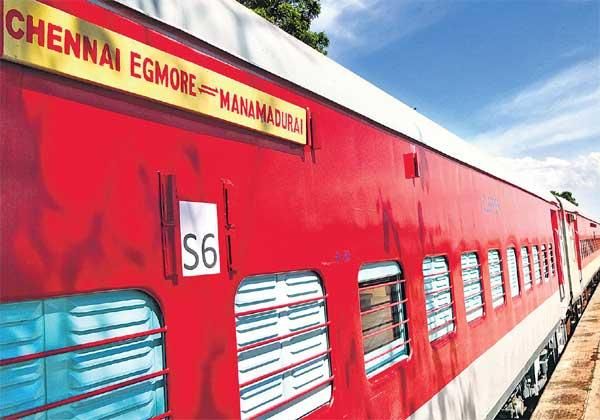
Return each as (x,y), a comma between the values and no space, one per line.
(573,392)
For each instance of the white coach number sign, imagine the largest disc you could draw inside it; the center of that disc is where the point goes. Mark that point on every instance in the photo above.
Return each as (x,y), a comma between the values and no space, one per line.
(199,238)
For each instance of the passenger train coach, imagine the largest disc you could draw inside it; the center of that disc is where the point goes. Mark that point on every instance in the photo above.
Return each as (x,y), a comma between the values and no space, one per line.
(201,217)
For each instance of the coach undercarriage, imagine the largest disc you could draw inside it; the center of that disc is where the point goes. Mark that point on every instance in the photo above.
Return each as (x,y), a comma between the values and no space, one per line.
(526,394)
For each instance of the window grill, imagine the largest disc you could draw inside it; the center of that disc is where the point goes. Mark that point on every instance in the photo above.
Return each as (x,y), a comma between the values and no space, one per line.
(545,263)
(282,345)
(96,355)
(472,285)
(383,315)
(527,280)
(438,297)
(589,246)
(496,280)
(536,265)
(513,272)
(552,262)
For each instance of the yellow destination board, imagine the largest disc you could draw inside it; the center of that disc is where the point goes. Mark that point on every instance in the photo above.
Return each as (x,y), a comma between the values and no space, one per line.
(47,38)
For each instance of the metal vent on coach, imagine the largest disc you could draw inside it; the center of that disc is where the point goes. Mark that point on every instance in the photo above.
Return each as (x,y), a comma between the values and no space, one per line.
(282,343)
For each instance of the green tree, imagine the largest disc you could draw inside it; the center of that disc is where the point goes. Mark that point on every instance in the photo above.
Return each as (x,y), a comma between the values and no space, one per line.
(567,195)
(294,17)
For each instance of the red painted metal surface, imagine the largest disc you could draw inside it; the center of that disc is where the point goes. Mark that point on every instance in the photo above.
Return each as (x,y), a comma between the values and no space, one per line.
(81,212)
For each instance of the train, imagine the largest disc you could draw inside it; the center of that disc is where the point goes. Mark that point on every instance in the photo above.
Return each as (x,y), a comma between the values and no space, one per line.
(202,217)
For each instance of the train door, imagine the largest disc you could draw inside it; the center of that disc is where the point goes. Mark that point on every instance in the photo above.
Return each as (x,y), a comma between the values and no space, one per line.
(559,258)
(571,246)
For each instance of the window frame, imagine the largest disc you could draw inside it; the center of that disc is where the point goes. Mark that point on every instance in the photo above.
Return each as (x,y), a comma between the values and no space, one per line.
(546,268)
(552,259)
(65,356)
(300,398)
(529,268)
(402,324)
(520,288)
(452,305)
(502,278)
(482,306)
(537,274)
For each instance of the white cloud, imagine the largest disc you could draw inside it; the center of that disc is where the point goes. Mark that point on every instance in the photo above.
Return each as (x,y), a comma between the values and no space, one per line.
(562,108)
(361,25)
(575,86)
(333,12)
(580,175)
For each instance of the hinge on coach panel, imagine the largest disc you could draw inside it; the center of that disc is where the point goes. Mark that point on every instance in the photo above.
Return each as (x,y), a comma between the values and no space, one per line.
(228,189)
(168,215)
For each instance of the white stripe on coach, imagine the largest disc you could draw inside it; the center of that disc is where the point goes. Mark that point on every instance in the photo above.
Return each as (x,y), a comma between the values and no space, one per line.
(477,389)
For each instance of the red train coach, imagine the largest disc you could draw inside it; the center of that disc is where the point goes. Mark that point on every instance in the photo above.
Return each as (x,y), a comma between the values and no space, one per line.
(580,248)
(199,222)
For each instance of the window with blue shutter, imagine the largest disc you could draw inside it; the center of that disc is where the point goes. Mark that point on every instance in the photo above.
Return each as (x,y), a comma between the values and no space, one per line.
(496,280)
(283,346)
(472,285)
(97,355)
(513,272)
(438,297)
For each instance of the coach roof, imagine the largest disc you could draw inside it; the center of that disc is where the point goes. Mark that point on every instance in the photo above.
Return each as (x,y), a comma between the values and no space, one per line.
(238,31)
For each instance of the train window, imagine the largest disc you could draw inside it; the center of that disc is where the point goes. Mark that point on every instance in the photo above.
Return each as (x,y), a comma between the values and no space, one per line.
(282,345)
(98,355)
(383,315)
(472,286)
(496,280)
(546,271)
(588,246)
(513,272)
(552,265)
(526,267)
(536,264)
(438,297)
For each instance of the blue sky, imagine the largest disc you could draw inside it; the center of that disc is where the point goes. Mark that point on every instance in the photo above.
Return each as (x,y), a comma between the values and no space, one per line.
(519,78)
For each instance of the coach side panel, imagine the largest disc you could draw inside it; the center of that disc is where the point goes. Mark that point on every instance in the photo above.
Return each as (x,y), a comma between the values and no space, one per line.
(81,212)
(588,248)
